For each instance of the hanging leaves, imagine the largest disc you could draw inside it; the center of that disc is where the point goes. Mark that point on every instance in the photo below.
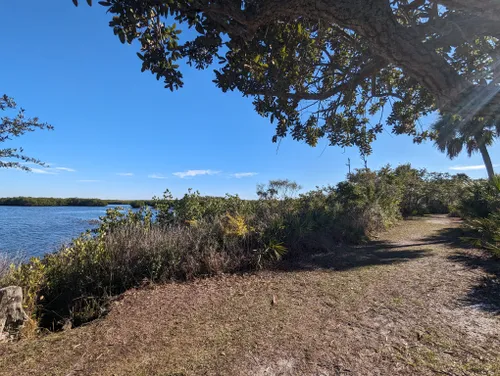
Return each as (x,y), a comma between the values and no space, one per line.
(312,78)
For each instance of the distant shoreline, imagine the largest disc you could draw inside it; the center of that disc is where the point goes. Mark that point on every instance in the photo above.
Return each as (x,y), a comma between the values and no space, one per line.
(74,201)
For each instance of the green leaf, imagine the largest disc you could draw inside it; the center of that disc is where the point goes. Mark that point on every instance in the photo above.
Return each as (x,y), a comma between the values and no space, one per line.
(121,35)
(199,28)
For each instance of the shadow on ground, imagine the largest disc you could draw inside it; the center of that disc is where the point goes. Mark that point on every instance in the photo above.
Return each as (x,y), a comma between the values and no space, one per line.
(345,258)
(486,294)
(449,237)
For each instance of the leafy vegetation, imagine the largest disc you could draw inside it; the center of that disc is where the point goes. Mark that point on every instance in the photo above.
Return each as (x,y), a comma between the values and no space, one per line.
(11,127)
(51,201)
(481,209)
(430,192)
(324,69)
(133,203)
(195,236)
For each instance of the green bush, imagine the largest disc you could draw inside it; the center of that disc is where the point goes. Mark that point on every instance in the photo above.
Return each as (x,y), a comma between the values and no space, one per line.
(429,192)
(480,199)
(480,207)
(485,233)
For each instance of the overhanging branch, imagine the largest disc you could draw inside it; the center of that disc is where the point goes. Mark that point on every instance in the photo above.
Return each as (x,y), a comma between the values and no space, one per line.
(370,68)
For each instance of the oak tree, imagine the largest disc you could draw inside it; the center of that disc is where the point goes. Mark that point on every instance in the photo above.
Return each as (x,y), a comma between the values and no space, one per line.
(323,68)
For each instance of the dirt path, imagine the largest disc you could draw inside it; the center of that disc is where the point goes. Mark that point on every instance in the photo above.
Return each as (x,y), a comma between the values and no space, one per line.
(411,303)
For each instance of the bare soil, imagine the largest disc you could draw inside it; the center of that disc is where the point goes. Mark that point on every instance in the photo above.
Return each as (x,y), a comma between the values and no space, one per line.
(413,302)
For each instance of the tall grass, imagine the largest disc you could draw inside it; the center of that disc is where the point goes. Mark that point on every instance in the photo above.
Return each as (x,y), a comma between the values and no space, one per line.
(7,262)
(4,265)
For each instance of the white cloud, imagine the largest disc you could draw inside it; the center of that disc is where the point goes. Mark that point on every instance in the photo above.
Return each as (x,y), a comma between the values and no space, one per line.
(192,173)
(156,176)
(43,171)
(64,169)
(88,181)
(469,168)
(125,174)
(240,175)
(47,170)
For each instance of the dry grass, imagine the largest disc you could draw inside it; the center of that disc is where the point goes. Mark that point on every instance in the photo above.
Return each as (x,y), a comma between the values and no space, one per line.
(396,307)
(4,264)
(5,261)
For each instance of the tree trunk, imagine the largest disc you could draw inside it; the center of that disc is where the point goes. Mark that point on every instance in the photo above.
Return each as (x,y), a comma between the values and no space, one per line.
(487,160)
(400,46)
(488,9)
(403,47)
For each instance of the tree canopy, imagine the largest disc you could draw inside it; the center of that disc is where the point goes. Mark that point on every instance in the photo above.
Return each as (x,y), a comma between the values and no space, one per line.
(323,68)
(11,127)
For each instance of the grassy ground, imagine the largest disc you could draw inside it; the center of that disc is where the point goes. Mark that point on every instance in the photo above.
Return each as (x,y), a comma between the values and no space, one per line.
(410,303)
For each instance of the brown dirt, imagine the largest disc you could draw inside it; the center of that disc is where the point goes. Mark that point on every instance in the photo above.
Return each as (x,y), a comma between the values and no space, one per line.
(410,303)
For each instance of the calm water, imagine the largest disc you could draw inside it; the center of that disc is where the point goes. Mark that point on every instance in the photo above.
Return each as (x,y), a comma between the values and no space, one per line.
(38,230)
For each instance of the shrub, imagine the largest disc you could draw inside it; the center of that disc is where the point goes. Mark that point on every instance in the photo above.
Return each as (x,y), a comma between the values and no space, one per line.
(481,209)
(429,193)
(368,202)
(479,200)
(485,233)
(76,282)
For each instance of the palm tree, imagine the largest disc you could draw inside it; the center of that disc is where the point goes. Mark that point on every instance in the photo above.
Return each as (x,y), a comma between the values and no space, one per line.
(451,136)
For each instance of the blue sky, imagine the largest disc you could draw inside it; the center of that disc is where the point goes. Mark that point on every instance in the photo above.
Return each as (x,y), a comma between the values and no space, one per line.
(120,134)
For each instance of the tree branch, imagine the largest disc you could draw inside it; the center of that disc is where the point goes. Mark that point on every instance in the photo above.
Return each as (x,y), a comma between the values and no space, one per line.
(485,9)
(369,69)
(457,29)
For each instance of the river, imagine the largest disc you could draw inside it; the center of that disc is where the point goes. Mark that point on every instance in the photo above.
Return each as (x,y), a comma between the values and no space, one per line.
(33,231)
